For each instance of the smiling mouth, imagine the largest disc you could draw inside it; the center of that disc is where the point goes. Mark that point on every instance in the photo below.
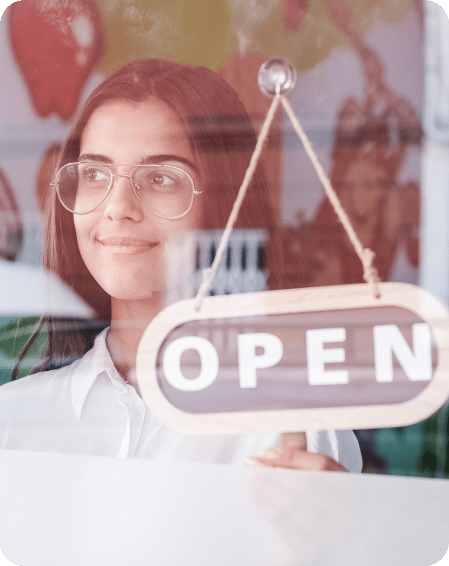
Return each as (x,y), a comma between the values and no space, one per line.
(127,245)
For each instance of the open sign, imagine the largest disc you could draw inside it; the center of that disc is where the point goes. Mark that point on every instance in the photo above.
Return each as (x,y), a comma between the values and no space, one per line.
(303,359)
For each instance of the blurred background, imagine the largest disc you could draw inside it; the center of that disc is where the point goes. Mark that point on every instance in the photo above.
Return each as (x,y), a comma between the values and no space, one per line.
(372,94)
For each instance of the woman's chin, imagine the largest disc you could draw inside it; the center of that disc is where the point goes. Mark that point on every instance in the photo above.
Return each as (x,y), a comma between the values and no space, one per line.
(131,293)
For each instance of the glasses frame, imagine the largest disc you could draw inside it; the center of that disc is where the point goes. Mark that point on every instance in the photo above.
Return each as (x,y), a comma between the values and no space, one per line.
(111,185)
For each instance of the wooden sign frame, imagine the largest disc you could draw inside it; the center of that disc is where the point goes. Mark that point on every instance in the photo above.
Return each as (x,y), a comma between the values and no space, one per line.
(318,299)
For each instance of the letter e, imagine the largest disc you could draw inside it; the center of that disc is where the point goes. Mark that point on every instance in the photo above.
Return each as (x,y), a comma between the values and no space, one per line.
(317,356)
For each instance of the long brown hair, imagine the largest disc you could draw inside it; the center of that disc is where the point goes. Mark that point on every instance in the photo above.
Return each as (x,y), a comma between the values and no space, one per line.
(222,138)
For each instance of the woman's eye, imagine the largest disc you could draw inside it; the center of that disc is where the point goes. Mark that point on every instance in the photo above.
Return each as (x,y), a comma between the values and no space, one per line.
(161,179)
(93,174)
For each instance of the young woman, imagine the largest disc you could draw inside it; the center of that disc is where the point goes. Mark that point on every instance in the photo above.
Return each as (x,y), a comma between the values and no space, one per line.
(159,148)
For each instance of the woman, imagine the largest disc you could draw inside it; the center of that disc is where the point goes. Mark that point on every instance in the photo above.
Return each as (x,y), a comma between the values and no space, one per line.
(366,163)
(191,124)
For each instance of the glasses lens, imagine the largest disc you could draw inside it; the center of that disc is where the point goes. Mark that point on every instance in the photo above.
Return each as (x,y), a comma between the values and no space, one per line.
(82,186)
(164,189)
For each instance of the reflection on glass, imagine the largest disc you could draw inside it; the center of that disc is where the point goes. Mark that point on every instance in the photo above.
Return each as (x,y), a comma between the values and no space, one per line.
(371,140)
(11,229)
(56,45)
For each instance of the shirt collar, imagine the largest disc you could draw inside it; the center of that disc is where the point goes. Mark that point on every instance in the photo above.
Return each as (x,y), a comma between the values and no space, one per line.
(87,369)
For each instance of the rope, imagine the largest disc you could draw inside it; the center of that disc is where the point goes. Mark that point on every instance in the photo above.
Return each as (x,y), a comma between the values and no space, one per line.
(208,274)
(370,274)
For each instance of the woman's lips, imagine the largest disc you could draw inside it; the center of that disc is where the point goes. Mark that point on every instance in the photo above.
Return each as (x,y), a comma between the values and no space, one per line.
(125,245)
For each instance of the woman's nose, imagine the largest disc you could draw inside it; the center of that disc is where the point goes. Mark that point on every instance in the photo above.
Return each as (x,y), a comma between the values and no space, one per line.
(121,201)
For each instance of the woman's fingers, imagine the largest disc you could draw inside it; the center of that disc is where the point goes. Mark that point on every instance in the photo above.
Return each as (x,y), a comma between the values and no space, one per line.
(295,439)
(281,457)
(293,454)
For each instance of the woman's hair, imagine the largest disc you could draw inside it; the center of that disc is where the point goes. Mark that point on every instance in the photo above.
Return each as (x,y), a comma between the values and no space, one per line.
(222,138)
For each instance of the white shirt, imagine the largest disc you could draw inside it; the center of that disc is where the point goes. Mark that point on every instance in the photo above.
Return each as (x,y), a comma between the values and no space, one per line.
(87,408)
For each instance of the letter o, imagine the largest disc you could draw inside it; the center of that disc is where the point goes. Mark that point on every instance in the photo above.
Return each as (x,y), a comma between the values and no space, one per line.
(171,363)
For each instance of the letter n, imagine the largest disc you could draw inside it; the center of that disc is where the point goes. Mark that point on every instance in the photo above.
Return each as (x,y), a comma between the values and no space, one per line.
(417,364)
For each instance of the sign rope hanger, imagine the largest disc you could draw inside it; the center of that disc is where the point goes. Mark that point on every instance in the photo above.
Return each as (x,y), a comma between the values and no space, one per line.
(276,78)
(318,358)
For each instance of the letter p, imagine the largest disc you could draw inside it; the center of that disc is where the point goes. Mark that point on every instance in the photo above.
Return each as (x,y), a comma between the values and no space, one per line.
(249,361)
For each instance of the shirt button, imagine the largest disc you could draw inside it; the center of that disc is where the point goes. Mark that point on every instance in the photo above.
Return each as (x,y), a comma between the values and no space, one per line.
(140,410)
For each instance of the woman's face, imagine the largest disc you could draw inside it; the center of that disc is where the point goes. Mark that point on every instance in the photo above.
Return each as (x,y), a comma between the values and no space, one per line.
(365,187)
(122,243)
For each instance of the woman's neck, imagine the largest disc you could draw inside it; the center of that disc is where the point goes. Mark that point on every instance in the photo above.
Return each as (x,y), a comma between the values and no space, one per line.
(129,320)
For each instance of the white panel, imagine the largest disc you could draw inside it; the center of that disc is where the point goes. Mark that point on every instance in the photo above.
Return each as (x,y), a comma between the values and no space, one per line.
(83,510)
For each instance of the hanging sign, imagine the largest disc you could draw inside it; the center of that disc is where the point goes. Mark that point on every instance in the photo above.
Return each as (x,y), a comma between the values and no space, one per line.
(302,359)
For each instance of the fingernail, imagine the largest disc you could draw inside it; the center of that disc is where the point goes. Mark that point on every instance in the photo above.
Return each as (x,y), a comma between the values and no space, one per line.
(271,453)
(252,462)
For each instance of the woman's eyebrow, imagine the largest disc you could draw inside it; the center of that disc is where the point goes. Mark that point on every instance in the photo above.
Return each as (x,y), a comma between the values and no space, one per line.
(94,157)
(163,158)
(149,160)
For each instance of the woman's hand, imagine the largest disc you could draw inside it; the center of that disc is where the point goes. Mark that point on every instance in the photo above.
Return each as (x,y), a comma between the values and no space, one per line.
(293,454)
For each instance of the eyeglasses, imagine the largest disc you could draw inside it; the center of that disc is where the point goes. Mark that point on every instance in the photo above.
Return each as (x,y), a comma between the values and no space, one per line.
(165,190)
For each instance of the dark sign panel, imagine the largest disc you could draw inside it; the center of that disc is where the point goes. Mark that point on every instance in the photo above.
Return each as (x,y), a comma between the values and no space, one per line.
(374,356)
(331,354)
